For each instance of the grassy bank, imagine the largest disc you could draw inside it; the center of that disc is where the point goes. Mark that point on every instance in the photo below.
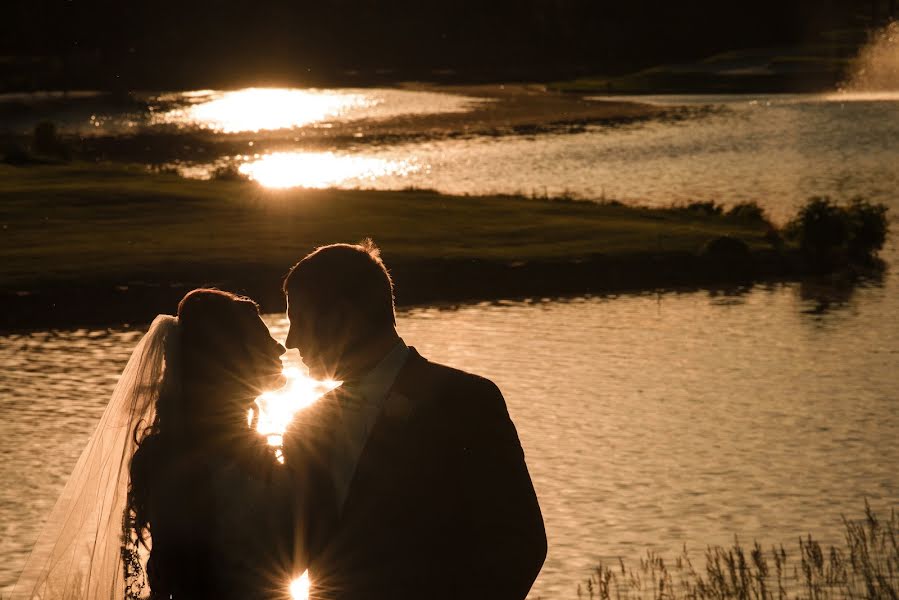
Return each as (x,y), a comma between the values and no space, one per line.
(88,244)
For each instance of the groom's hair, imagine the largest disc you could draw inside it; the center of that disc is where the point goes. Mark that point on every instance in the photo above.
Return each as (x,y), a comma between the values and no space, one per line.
(351,273)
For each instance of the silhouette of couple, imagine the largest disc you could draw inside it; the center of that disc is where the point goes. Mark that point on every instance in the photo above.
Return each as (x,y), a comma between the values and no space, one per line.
(406,481)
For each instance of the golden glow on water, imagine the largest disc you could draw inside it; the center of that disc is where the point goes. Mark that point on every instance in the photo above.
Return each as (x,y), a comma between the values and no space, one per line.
(854,96)
(258,109)
(320,169)
(276,409)
(299,587)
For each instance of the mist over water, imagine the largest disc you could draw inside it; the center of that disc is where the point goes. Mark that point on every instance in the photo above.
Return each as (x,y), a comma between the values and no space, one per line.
(876,69)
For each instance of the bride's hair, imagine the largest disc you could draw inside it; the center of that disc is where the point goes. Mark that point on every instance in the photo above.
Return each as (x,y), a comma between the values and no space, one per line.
(198,364)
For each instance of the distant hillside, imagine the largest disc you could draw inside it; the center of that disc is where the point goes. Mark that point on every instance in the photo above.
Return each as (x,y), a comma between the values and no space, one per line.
(109,44)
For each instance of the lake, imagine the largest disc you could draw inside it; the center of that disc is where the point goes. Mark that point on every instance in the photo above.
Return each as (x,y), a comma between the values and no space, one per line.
(777,150)
(649,421)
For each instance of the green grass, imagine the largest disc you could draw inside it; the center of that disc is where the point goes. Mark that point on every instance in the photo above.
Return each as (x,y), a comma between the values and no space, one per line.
(85,224)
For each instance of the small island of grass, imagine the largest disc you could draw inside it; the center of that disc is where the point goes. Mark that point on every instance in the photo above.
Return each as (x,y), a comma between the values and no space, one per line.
(103,244)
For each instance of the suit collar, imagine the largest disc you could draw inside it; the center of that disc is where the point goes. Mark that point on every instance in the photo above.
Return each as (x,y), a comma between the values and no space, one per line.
(389,431)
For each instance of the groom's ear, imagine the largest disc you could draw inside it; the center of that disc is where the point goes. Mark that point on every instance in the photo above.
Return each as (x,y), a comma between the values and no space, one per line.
(335,319)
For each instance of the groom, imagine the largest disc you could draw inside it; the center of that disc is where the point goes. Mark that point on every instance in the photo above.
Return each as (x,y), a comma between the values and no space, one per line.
(410,476)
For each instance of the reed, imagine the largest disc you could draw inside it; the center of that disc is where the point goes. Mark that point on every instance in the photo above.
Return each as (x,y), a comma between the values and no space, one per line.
(865,567)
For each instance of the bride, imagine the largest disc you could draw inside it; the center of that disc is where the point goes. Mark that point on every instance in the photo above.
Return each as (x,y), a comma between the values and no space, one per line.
(176,495)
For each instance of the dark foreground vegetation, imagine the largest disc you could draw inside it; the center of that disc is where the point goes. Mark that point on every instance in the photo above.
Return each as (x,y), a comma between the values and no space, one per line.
(865,567)
(87,244)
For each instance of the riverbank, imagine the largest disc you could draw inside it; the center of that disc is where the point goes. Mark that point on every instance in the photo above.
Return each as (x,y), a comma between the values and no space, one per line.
(94,245)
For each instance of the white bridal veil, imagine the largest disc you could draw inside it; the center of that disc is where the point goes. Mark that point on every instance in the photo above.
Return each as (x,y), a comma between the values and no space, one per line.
(85,551)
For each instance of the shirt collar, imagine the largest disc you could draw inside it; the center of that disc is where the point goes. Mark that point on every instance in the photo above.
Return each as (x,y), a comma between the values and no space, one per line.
(374,385)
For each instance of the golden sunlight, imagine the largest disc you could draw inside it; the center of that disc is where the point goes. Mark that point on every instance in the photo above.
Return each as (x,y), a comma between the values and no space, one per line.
(299,587)
(319,169)
(276,409)
(257,109)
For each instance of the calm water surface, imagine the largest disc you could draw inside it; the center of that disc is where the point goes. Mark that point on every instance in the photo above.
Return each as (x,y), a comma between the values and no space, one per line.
(224,112)
(648,421)
(776,149)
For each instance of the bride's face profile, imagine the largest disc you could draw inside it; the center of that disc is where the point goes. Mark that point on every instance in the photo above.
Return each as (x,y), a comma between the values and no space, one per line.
(228,355)
(262,356)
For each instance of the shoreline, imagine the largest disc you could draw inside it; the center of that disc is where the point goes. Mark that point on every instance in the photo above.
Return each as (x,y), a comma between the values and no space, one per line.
(88,244)
(493,111)
(425,283)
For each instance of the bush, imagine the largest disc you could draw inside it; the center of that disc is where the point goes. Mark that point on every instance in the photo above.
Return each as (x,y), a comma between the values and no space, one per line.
(16,155)
(825,230)
(819,227)
(46,141)
(725,247)
(707,208)
(230,172)
(868,228)
(748,211)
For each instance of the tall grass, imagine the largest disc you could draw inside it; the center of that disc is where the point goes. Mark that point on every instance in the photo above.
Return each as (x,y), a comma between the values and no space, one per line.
(865,567)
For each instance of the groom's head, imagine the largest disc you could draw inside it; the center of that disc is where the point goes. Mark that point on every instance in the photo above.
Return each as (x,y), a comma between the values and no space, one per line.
(340,304)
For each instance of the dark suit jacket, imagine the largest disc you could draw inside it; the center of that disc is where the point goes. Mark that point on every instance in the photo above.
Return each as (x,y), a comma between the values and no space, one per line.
(441,504)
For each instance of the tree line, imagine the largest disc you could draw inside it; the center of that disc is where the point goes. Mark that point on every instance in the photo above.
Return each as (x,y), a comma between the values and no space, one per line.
(110,43)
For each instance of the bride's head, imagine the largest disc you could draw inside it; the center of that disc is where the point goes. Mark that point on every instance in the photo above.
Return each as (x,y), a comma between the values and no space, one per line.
(220,359)
(226,358)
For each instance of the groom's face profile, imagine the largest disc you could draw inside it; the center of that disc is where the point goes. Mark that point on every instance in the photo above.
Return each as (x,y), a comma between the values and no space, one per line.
(318,334)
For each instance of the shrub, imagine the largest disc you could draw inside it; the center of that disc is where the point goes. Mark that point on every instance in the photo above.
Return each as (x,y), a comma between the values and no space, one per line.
(726,247)
(17,155)
(706,207)
(748,211)
(229,172)
(868,228)
(46,141)
(820,227)
(825,230)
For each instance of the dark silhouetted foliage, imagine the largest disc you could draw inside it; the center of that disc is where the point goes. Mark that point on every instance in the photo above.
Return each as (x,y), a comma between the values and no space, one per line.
(748,211)
(726,247)
(820,227)
(868,227)
(825,230)
(228,173)
(16,154)
(46,141)
(704,207)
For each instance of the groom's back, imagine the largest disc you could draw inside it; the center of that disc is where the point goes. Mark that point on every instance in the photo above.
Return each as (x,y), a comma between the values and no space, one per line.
(441,503)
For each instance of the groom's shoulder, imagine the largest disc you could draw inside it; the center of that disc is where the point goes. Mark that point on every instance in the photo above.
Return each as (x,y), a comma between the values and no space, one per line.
(443,380)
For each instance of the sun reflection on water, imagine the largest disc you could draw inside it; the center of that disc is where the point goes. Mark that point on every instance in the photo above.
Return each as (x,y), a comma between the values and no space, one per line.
(258,109)
(276,409)
(320,169)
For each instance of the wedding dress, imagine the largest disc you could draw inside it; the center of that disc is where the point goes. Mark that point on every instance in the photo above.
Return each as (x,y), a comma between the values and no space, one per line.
(87,549)
(81,551)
